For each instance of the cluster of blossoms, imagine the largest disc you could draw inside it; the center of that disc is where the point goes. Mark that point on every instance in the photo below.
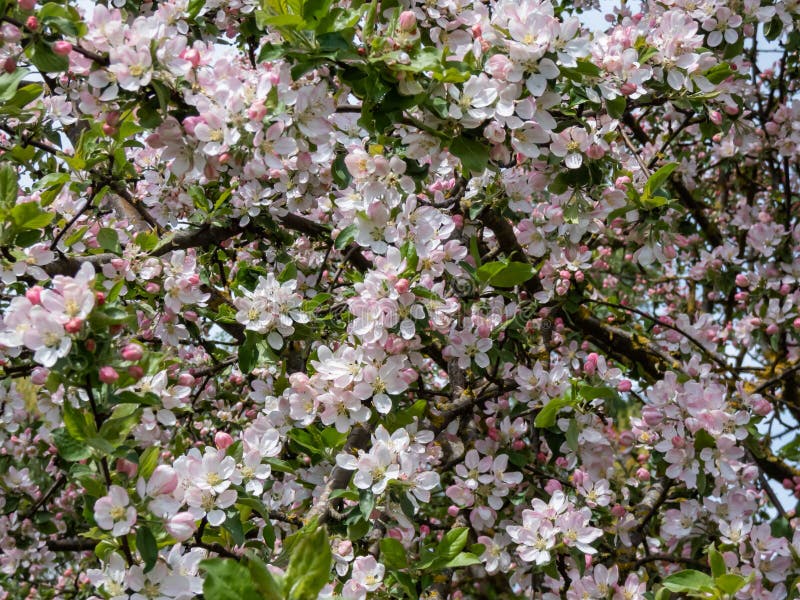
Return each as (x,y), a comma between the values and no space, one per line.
(271,309)
(44,320)
(394,458)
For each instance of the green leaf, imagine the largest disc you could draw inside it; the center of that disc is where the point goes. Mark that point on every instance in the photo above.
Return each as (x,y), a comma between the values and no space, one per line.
(227,579)
(147,240)
(29,215)
(393,554)
(730,583)
(109,240)
(688,580)
(474,155)
(9,83)
(124,418)
(547,416)
(489,270)
(346,235)
(463,559)
(75,423)
(453,542)
(9,189)
(25,95)
(248,353)
(270,52)
(148,461)
(716,561)
(616,107)
(148,549)
(269,587)
(69,448)
(511,275)
(341,175)
(366,503)
(572,435)
(47,61)
(62,18)
(657,179)
(194,8)
(310,565)
(233,525)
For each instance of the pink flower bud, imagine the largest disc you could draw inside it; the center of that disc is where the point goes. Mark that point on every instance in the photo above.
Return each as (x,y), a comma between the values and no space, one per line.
(409,375)
(73,325)
(484,330)
(642,474)
(626,438)
(62,47)
(32,23)
(108,375)
(624,385)
(127,467)
(402,286)
(39,375)
(552,486)
(100,297)
(222,440)
(458,221)
(579,477)
(618,511)
(627,88)
(34,294)
(424,530)
(772,329)
(407,21)
(622,182)
(91,345)
(651,415)
(186,379)
(716,117)
(10,64)
(518,445)
(136,372)
(132,352)
(453,510)
(192,55)
(741,280)
(595,152)
(27,4)
(152,288)
(344,548)
(762,407)
(164,480)
(181,526)
(189,123)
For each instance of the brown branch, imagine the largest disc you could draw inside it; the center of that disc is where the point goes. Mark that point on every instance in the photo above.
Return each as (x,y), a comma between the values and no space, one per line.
(777,379)
(687,199)
(71,545)
(61,480)
(339,478)
(658,321)
(647,508)
(667,558)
